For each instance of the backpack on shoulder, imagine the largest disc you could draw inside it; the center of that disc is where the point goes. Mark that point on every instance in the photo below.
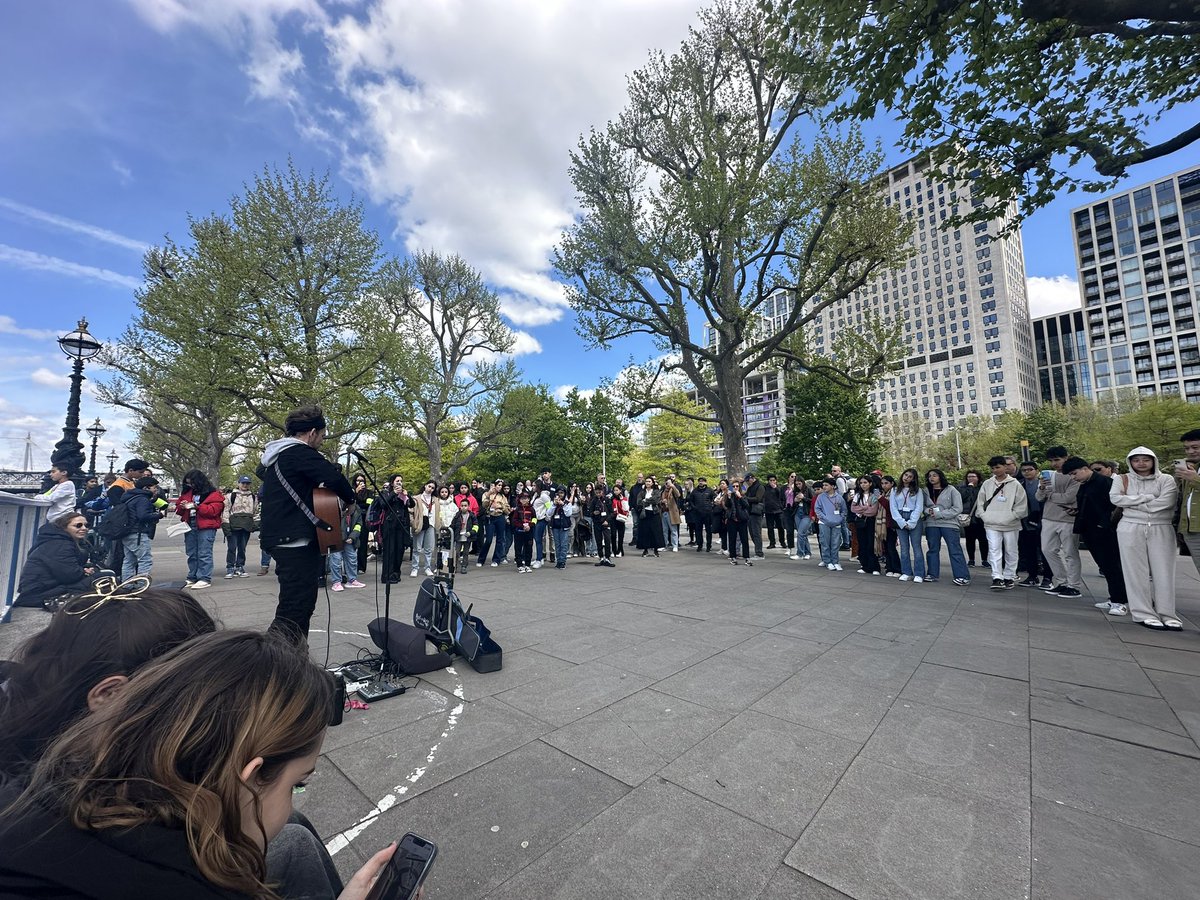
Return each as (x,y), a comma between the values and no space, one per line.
(117,522)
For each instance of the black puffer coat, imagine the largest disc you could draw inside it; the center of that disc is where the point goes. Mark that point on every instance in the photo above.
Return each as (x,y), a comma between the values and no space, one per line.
(53,567)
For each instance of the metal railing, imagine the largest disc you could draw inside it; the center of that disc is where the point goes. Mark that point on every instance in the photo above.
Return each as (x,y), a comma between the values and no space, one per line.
(20,518)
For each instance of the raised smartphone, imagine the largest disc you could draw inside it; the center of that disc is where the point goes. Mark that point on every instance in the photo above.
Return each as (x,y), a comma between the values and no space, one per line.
(404,873)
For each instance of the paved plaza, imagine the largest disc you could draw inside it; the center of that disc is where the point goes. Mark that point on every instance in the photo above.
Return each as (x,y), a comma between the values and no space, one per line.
(681,728)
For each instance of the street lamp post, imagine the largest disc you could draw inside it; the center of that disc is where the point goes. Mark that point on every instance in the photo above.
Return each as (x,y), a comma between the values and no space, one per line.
(112,461)
(79,346)
(604,451)
(97,431)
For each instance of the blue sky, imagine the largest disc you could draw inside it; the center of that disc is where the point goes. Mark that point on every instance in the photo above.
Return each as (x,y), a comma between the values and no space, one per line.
(451,121)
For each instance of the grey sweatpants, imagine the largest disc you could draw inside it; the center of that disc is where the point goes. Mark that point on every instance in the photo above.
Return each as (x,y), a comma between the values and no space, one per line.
(299,867)
(1148,550)
(1060,546)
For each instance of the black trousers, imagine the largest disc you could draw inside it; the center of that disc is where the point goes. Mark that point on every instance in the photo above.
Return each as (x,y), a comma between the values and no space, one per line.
(704,533)
(755,527)
(604,541)
(738,531)
(868,560)
(789,528)
(774,525)
(298,569)
(618,539)
(1029,554)
(524,544)
(891,550)
(1107,554)
(976,535)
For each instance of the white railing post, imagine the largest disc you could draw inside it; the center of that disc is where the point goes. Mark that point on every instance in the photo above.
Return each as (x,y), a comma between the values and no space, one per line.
(20,518)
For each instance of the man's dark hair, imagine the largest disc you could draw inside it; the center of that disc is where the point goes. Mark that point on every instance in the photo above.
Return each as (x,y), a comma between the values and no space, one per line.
(997,461)
(832,482)
(1193,435)
(1056,452)
(145,481)
(1074,463)
(1029,463)
(772,475)
(303,420)
(136,465)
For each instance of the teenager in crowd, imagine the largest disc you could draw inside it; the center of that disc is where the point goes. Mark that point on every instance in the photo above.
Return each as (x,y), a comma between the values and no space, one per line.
(701,505)
(561,512)
(464,526)
(424,528)
(830,512)
(200,506)
(650,536)
(737,520)
(891,531)
(1002,504)
(973,533)
(755,493)
(495,507)
(671,506)
(1147,499)
(864,503)
(802,499)
(145,510)
(941,525)
(238,521)
(522,520)
(389,519)
(1030,558)
(773,505)
(908,509)
(601,513)
(61,493)
(621,518)
(1095,526)
(1060,543)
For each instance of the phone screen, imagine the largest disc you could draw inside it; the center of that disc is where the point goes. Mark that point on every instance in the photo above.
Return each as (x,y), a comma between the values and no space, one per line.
(406,870)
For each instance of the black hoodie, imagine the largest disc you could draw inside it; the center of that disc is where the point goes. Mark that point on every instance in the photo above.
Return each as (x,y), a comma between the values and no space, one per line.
(53,567)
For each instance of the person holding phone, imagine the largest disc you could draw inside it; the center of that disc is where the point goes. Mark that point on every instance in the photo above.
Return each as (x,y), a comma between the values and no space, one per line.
(177,786)
(1058,494)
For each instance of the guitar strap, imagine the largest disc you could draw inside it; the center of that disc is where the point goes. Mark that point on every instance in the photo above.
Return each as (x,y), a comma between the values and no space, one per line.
(304,508)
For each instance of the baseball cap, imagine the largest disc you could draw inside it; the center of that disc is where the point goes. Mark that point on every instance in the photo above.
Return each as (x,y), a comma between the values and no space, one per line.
(245,479)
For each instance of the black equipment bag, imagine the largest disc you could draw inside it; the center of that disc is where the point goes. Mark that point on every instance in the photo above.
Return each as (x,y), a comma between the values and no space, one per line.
(407,646)
(439,612)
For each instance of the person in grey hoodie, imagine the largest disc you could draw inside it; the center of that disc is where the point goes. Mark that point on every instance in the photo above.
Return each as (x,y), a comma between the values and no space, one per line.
(1146,537)
(1060,544)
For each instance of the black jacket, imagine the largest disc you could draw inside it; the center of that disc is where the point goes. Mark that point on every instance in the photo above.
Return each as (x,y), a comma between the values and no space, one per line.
(304,469)
(1095,509)
(599,509)
(701,500)
(773,500)
(142,514)
(53,567)
(41,855)
(756,495)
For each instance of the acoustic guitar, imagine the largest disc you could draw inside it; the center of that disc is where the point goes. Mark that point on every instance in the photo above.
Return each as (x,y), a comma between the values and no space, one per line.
(328,507)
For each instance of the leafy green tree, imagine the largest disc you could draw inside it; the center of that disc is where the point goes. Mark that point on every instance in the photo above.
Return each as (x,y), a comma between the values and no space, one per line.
(599,437)
(1015,91)
(703,209)
(1156,424)
(542,438)
(450,366)
(674,443)
(829,425)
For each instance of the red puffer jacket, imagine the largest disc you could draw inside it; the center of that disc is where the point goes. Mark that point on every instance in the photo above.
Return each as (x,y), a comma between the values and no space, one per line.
(208,510)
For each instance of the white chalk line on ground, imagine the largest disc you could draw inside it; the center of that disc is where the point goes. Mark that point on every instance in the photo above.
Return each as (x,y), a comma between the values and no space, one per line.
(354,633)
(342,840)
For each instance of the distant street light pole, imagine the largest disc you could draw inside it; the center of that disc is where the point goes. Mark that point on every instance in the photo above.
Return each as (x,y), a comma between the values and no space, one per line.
(79,346)
(112,461)
(97,431)
(604,451)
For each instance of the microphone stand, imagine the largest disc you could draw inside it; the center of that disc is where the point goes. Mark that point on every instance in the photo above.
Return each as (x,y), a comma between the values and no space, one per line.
(382,682)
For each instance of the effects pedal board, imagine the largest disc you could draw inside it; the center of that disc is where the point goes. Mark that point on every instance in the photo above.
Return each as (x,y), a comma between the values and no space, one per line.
(380,687)
(359,671)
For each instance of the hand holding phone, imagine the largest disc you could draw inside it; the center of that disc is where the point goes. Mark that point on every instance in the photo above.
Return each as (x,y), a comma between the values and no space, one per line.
(405,872)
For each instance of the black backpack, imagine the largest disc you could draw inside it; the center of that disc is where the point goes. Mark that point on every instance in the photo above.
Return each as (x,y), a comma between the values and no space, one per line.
(117,522)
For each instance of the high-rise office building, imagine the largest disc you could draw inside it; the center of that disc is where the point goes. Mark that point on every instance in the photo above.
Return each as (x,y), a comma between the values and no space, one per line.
(1060,344)
(1138,254)
(961,303)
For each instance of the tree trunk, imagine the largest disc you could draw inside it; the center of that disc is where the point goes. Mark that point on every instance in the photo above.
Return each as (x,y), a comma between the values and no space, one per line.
(729,415)
(434,442)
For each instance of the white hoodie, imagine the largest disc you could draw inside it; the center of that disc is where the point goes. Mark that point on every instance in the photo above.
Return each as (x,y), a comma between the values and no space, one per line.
(1146,500)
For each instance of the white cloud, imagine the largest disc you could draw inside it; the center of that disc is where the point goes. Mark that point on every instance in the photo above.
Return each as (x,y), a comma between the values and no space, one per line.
(524,343)
(458,116)
(74,225)
(46,378)
(8,325)
(560,392)
(123,172)
(39,262)
(1052,295)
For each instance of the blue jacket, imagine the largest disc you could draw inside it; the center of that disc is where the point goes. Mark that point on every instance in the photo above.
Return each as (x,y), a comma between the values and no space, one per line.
(830,510)
(908,508)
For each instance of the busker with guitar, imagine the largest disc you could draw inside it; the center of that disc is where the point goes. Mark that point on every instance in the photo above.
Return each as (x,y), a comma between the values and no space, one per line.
(291,468)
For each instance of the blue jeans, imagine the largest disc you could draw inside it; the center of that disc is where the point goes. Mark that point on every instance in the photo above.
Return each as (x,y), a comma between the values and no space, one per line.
(539,538)
(343,566)
(199,546)
(829,537)
(235,550)
(911,554)
(136,556)
(846,535)
(803,530)
(933,559)
(423,542)
(493,537)
(562,546)
(670,532)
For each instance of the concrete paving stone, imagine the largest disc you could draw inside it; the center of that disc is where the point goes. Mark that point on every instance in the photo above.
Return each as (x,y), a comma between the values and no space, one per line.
(915,643)
(637,736)
(638,849)
(781,648)
(977,755)
(634,619)
(330,799)
(1110,674)
(896,616)
(987,696)
(1085,619)
(1078,855)
(1166,659)
(717,635)
(1007,662)
(590,642)
(812,628)
(562,697)
(888,669)
(699,606)
(1136,786)
(536,630)
(768,613)
(520,667)
(398,761)
(788,884)
(1108,646)
(731,681)
(858,611)
(387,715)
(1182,692)
(1132,633)
(773,772)
(1147,721)
(968,630)
(885,833)
(473,859)
(658,657)
(839,706)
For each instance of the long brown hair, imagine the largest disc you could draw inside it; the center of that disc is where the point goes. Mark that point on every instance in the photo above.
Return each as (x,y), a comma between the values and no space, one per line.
(56,668)
(170,749)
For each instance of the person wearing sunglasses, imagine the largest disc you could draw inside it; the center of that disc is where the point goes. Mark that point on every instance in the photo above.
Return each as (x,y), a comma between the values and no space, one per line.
(61,563)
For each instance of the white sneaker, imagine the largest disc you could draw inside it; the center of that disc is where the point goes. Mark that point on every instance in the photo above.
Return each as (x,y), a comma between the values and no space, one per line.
(537,563)
(807,556)
(1116,609)
(493,566)
(862,571)
(793,556)
(429,572)
(1104,605)
(674,549)
(479,565)
(837,567)
(893,574)
(829,566)
(917,579)
(197,585)
(230,575)
(905,577)
(412,574)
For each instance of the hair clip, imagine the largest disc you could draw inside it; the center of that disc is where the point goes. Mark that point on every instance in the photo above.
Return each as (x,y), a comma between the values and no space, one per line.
(106,589)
